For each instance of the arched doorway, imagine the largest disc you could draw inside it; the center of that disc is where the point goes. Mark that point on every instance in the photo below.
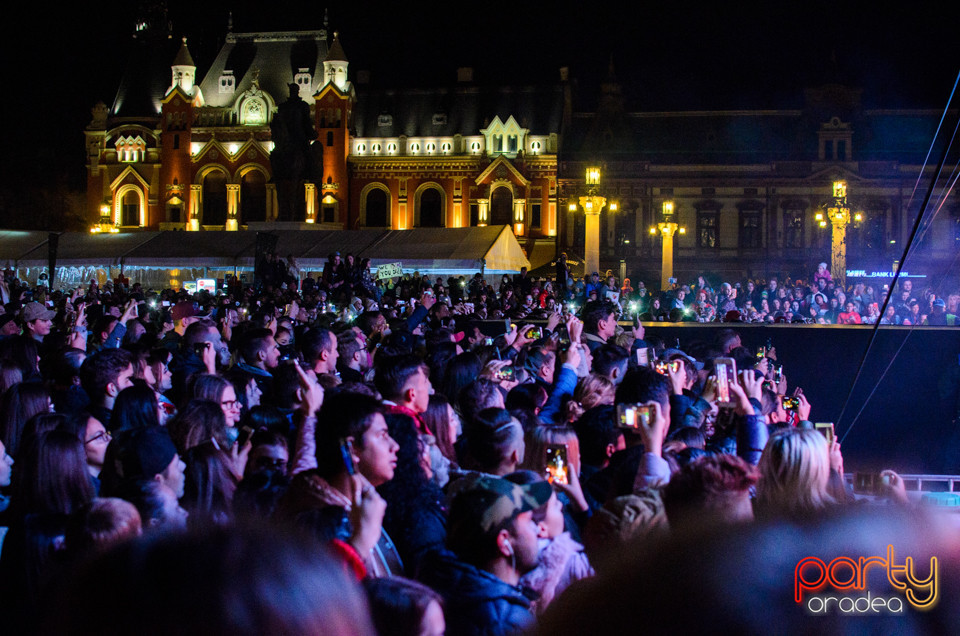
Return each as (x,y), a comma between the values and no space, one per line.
(130,209)
(214,198)
(431,208)
(501,207)
(376,209)
(253,197)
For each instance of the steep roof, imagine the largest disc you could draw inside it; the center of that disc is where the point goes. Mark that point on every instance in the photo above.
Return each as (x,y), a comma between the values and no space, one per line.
(271,58)
(466,109)
(145,80)
(336,50)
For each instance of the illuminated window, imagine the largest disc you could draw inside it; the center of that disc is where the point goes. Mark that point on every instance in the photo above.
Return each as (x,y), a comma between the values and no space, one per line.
(707,228)
(361,148)
(475,147)
(445,148)
(414,148)
(375,149)
(131,149)
(511,143)
(391,148)
(498,143)
(535,148)
(431,148)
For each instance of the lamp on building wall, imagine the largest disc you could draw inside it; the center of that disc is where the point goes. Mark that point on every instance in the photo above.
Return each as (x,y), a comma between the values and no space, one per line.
(105,224)
(667,227)
(592,203)
(838,215)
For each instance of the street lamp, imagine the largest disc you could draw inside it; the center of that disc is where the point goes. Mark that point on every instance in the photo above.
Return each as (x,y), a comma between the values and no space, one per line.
(667,227)
(592,203)
(838,215)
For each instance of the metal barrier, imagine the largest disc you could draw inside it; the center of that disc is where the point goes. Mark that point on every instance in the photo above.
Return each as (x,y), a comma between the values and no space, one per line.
(922,483)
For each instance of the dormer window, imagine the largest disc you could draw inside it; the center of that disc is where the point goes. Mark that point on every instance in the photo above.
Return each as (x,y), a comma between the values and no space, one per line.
(535,148)
(303,79)
(385,120)
(439,119)
(504,137)
(227,82)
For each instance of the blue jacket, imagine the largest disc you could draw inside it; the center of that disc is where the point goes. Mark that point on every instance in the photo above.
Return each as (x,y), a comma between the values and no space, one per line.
(563,387)
(476,603)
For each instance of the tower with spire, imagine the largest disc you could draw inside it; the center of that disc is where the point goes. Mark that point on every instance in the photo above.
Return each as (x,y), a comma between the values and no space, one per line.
(333,108)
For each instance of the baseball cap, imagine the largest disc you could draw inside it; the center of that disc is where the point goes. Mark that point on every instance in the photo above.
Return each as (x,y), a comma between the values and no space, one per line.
(491,501)
(939,303)
(35,311)
(670,354)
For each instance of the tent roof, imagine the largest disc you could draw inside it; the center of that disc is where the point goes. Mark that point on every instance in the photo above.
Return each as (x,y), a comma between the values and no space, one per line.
(424,248)
(13,244)
(82,248)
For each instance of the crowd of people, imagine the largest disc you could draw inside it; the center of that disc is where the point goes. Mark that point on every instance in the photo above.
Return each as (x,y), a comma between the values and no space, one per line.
(349,456)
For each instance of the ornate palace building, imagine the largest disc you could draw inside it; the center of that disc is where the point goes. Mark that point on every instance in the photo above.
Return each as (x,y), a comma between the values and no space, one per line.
(180,151)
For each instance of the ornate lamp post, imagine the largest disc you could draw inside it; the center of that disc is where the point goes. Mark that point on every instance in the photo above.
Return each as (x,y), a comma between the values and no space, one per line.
(667,227)
(838,215)
(592,203)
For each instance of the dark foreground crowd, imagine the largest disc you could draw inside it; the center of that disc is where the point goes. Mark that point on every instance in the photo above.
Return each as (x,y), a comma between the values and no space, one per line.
(351,458)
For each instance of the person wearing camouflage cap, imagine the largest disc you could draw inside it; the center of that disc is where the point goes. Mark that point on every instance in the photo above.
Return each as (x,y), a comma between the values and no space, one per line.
(492,542)
(37,320)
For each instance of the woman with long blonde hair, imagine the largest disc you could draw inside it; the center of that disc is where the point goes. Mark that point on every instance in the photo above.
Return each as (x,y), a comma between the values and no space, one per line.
(794,474)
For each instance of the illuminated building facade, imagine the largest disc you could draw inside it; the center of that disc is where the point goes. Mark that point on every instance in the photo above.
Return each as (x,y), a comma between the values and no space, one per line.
(177,151)
(747,185)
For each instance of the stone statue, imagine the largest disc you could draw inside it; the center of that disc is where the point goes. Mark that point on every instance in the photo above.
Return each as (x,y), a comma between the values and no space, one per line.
(293,159)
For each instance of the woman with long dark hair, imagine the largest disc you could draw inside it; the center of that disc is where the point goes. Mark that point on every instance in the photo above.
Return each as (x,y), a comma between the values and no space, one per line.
(54,479)
(135,407)
(19,404)
(414,517)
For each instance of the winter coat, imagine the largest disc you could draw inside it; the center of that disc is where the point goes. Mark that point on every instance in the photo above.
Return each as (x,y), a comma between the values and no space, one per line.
(476,603)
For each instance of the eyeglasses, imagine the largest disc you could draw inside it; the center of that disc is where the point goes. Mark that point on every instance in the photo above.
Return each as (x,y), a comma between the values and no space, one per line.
(230,404)
(102,435)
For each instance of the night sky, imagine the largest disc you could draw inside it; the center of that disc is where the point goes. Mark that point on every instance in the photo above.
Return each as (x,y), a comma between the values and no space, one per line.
(676,55)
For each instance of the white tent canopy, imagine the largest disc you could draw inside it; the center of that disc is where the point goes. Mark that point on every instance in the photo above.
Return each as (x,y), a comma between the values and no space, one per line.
(450,251)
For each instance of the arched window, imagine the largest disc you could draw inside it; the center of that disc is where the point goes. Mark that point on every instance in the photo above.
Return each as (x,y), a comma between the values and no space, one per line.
(431,208)
(214,198)
(377,214)
(253,197)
